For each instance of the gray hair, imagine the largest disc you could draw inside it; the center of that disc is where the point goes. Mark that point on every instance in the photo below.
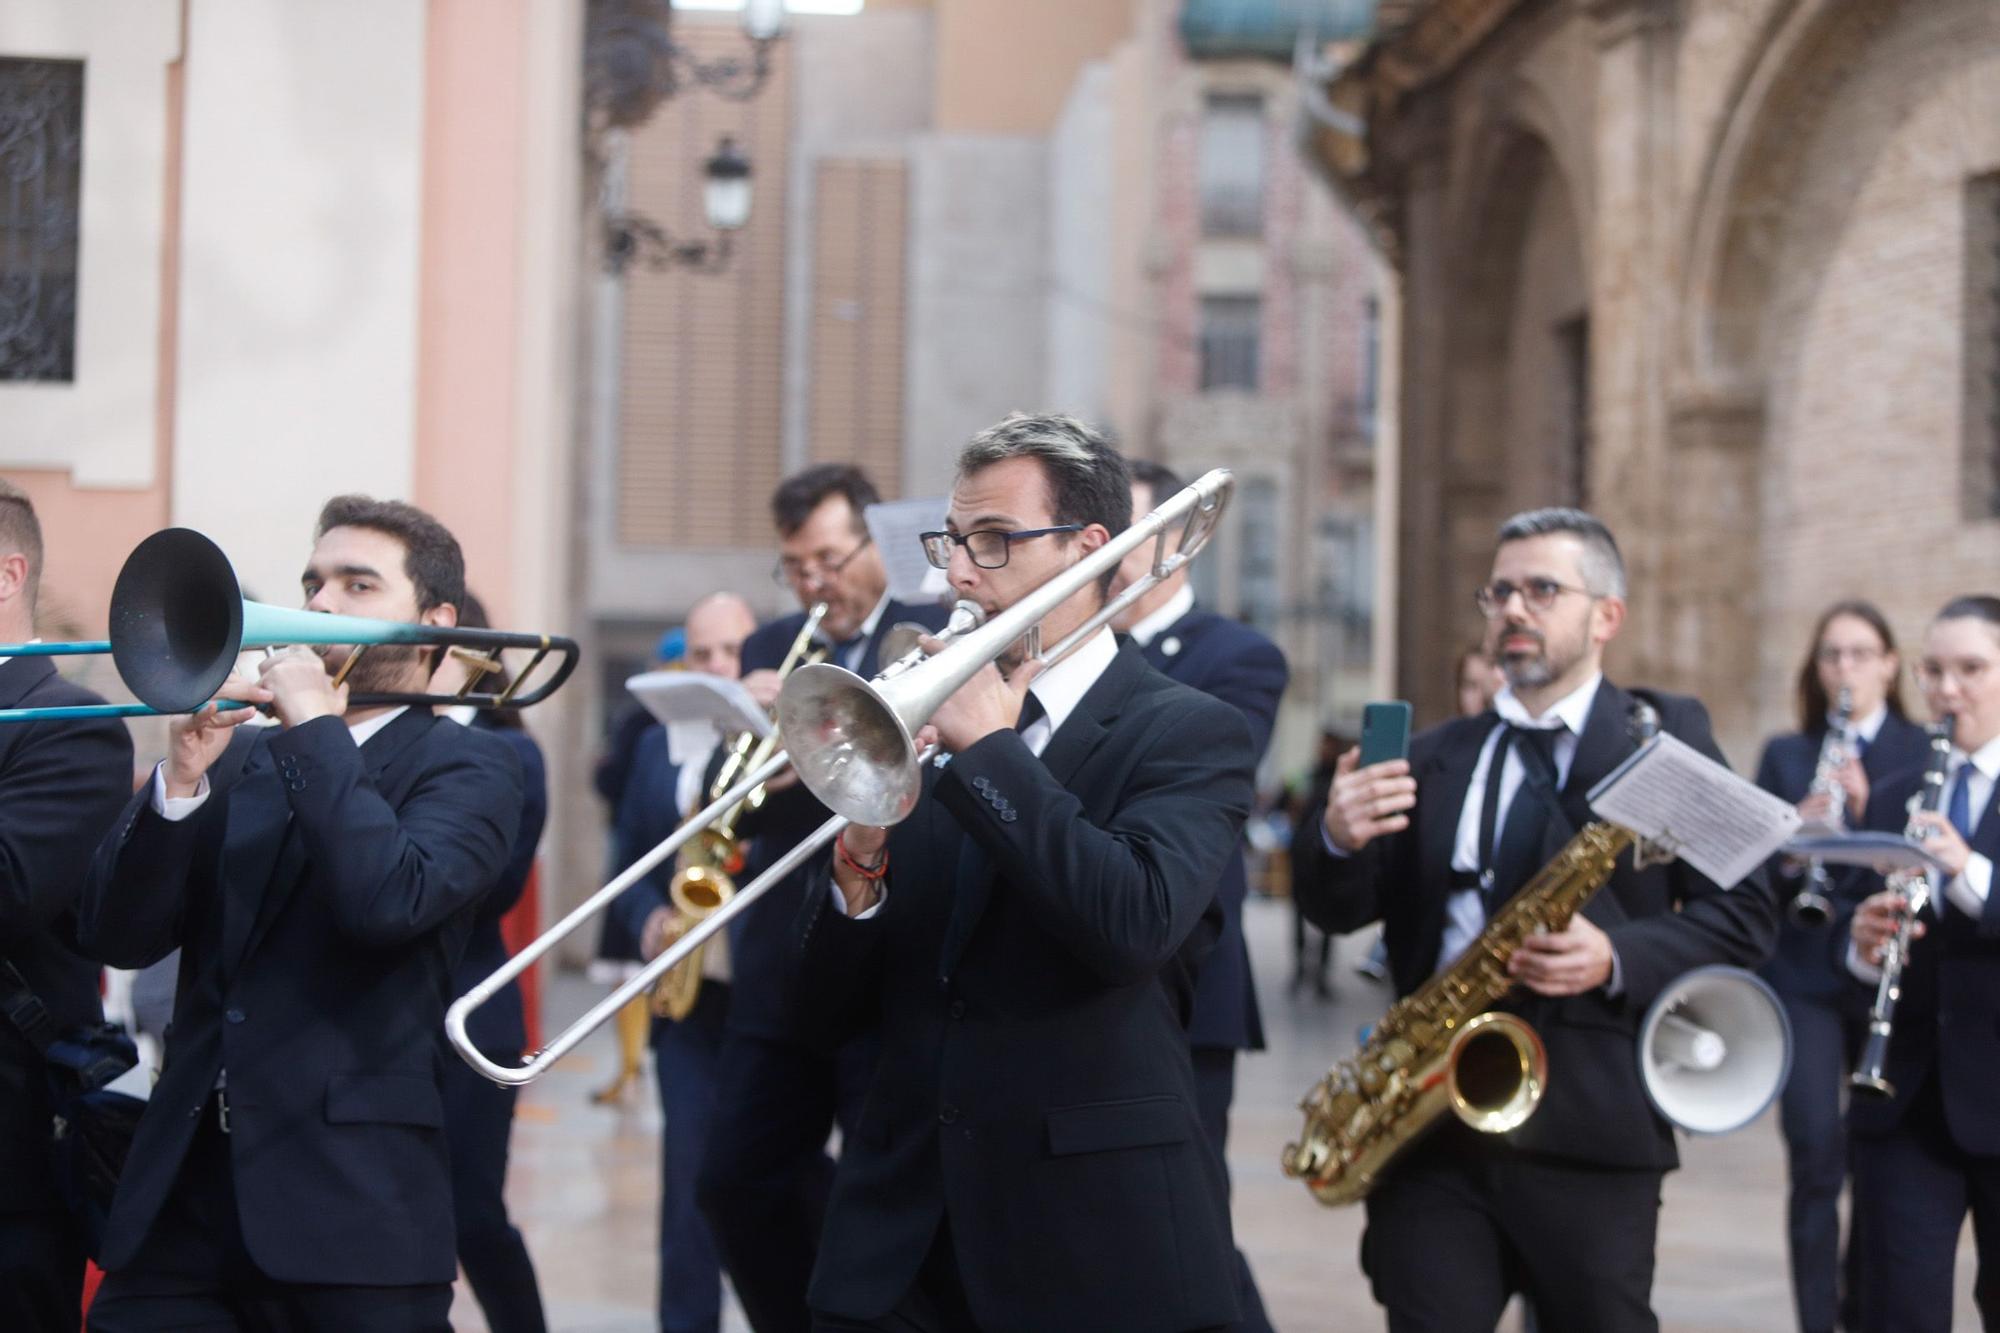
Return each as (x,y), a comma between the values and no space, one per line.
(1602,567)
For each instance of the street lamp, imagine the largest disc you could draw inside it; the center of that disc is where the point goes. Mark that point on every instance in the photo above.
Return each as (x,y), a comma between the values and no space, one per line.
(632,238)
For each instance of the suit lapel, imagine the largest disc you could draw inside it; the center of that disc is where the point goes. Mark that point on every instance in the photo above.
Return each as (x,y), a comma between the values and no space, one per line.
(258,824)
(19,676)
(1606,743)
(288,864)
(1072,743)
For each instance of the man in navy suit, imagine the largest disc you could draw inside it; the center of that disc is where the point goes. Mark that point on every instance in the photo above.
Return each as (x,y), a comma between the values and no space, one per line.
(61,785)
(1567,1206)
(1236,664)
(320,878)
(766,1174)
(1030,1157)
(1929,1153)
(686,1053)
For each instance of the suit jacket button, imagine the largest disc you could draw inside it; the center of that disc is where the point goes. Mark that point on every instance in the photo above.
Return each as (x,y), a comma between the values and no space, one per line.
(1008,815)
(980,784)
(957,1009)
(234,1015)
(949,1115)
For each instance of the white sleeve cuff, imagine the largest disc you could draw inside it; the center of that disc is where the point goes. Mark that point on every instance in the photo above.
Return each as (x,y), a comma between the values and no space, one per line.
(840,900)
(1867,972)
(1614,985)
(1326,841)
(175,808)
(1968,889)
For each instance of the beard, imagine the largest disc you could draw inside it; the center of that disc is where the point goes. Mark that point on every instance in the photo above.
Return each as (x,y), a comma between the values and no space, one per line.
(383,668)
(1531,669)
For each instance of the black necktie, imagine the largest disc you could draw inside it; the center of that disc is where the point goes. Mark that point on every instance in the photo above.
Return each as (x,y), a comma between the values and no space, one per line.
(1031,713)
(1517,855)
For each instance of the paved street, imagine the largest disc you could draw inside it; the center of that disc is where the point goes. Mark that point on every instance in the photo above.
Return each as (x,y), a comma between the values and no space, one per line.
(584,1177)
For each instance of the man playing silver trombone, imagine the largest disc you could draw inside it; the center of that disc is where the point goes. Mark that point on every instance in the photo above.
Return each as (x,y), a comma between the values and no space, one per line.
(1030,1155)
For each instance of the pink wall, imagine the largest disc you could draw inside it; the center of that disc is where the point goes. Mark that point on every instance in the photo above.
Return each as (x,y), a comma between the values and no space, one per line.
(469,284)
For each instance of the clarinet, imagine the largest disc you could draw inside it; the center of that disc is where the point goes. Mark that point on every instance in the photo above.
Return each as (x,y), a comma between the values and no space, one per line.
(1915,885)
(1812,905)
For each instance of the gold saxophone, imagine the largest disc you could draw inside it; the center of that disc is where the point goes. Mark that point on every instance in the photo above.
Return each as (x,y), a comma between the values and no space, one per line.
(706,878)
(1440,1048)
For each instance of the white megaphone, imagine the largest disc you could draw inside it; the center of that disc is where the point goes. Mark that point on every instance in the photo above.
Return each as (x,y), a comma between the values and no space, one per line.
(1715,1050)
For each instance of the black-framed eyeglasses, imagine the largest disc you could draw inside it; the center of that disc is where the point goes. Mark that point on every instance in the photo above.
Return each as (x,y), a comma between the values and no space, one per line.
(1539,594)
(986,547)
(788,572)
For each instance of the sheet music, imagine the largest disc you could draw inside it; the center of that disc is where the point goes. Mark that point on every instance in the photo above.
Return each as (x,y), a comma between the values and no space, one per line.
(1880,852)
(895,525)
(698,710)
(1671,793)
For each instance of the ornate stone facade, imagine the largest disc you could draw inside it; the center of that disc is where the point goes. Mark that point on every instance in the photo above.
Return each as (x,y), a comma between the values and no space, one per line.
(1721,270)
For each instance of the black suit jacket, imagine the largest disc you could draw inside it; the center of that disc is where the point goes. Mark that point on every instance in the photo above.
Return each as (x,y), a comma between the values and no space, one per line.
(1662,921)
(1035,1085)
(61,786)
(320,897)
(1236,664)
(759,939)
(499,1027)
(1801,963)
(1948,1016)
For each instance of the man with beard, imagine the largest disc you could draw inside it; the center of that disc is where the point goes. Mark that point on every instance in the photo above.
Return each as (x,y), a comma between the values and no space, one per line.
(1565,1208)
(290,1170)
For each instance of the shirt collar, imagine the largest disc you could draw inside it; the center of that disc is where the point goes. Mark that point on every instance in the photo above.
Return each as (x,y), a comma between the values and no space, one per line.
(4,659)
(1572,710)
(463,714)
(867,630)
(1986,759)
(1062,687)
(363,731)
(1176,606)
(1868,728)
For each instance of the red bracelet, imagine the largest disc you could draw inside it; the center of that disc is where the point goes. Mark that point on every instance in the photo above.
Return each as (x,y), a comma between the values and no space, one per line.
(847,859)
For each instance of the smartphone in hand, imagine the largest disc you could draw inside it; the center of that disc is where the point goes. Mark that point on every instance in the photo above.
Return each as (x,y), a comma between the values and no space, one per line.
(1385,732)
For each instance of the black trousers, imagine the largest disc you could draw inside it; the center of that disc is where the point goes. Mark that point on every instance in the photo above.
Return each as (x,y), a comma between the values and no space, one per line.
(1456,1227)
(1825,1037)
(193,1274)
(1912,1190)
(479,1119)
(1214,1090)
(41,1271)
(765,1176)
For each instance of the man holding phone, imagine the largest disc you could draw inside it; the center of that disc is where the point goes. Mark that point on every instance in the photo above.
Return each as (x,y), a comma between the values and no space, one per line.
(1566,1207)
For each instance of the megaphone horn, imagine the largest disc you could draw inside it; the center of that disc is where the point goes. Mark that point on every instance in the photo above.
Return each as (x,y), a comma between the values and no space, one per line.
(1715,1050)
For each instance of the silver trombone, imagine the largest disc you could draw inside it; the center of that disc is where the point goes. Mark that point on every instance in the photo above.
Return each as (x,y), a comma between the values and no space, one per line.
(853,744)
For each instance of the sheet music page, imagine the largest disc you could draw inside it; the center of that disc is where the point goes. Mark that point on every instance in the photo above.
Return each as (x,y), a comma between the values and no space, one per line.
(1721,824)
(698,710)
(895,525)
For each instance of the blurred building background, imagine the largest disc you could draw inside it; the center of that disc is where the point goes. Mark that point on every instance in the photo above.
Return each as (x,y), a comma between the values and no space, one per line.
(1725,271)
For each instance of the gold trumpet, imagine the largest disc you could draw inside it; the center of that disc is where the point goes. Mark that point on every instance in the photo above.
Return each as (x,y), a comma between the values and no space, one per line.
(706,878)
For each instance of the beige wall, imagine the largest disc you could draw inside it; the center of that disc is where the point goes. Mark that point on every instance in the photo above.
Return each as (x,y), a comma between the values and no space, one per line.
(1007,66)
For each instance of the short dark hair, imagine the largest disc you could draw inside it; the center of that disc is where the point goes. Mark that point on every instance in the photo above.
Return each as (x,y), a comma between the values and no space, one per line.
(431,555)
(802,492)
(1603,567)
(21,531)
(1159,479)
(1088,481)
(1813,703)
(1972,606)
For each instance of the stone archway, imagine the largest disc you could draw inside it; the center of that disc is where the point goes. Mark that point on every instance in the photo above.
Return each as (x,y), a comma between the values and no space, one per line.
(1817,386)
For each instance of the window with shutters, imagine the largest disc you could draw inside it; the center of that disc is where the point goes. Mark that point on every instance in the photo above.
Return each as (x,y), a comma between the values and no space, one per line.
(859,211)
(1229,342)
(41,157)
(1982,347)
(1232,165)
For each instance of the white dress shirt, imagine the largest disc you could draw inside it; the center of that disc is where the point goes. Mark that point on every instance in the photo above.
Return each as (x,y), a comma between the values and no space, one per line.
(1465,910)
(1967,890)
(1169,614)
(5,659)
(851,659)
(180,807)
(1059,690)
